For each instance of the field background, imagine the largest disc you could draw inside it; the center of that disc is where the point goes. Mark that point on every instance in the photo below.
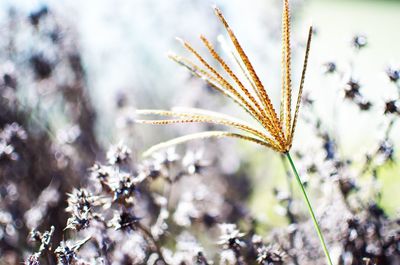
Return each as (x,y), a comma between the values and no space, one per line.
(124,43)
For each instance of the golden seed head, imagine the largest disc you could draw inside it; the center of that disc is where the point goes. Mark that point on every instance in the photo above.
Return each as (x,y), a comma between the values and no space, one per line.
(274,131)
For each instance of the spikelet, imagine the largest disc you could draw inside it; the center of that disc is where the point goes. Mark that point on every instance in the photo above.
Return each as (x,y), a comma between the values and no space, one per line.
(203,135)
(274,131)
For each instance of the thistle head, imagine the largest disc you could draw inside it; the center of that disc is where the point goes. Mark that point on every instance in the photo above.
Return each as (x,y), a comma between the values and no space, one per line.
(272,129)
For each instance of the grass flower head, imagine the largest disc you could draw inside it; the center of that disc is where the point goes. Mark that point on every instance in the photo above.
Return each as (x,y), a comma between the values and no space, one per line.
(275,130)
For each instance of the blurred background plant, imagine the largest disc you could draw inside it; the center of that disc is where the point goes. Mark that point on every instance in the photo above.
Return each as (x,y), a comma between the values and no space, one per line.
(72,74)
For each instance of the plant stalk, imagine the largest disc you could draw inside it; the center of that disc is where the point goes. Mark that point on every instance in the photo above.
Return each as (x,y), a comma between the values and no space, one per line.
(310,209)
(151,238)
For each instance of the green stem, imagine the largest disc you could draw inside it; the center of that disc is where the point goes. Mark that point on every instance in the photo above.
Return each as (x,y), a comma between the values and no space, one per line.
(310,209)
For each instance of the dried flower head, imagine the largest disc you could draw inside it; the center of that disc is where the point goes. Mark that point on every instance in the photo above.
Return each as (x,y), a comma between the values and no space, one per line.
(124,188)
(391,106)
(44,239)
(269,256)
(118,154)
(33,259)
(81,200)
(359,41)
(352,89)
(66,252)
(393,74)
(79,219)
(80,204)
(275,130)
(329,68)
(230,237)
